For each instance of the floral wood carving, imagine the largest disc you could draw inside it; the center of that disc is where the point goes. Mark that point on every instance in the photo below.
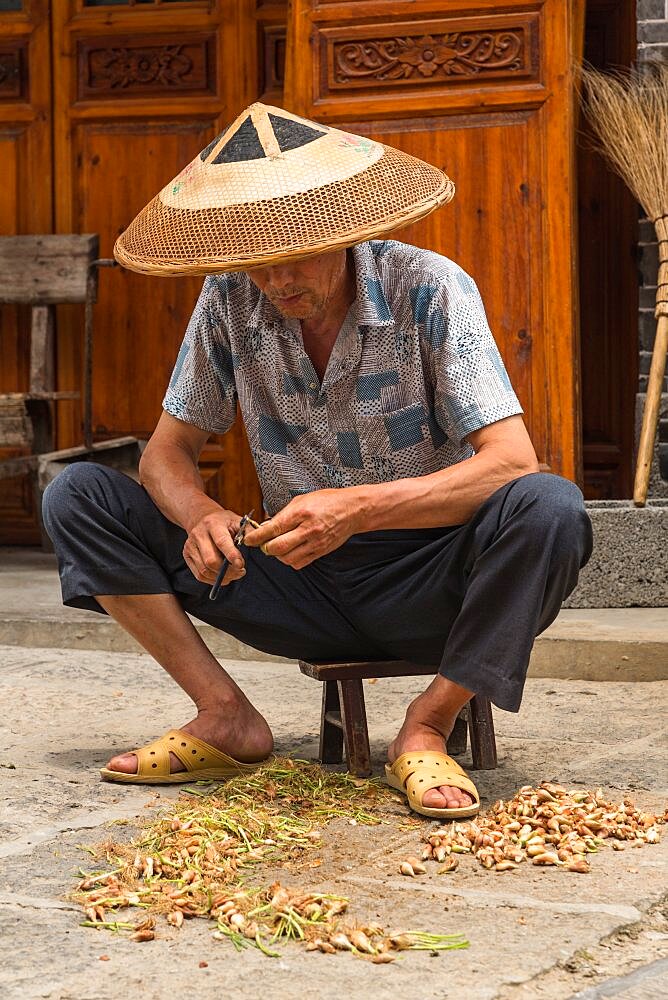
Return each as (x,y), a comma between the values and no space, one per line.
(146,69)
(457,53)
(166,66)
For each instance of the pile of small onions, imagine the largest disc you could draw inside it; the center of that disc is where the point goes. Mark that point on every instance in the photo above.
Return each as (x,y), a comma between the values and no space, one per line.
(547,825)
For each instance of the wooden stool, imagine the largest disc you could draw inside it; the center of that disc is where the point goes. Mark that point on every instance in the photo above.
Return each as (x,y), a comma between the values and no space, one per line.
(343,720)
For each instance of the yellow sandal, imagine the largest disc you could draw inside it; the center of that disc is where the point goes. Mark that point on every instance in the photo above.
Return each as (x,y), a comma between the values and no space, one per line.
(415,772)
(201,761)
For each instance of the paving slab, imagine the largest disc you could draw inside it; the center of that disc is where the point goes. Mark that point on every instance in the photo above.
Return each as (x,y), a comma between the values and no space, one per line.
(65,712)
(597,644)
(648,980)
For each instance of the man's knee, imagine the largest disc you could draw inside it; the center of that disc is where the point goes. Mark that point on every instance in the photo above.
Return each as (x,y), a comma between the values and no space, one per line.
(548,491)
(64,494)
(554,506)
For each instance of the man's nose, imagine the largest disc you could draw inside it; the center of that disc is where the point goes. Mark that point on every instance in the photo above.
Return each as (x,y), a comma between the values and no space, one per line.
(281,275)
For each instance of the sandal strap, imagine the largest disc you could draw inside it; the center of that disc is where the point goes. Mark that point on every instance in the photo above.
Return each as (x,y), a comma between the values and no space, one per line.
(153,759)
(404,765)
(194,754)
(421,770)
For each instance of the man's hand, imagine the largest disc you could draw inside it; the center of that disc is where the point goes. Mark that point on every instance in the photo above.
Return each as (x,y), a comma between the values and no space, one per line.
(209,541)
(309,526)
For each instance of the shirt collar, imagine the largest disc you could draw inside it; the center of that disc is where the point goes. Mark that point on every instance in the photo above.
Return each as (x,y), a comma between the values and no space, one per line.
(371,304)
(370,307)
(267,316)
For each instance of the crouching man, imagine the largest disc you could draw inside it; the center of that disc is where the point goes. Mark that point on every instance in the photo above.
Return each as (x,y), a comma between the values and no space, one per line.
(406,517)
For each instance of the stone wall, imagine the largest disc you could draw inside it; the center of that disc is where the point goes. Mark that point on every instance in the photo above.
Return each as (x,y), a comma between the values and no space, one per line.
(627,568)
(652,29)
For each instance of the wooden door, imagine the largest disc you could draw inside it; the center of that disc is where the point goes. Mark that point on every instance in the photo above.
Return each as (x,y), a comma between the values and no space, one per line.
(139,90)
(483,89)
(608,224)
(25,207)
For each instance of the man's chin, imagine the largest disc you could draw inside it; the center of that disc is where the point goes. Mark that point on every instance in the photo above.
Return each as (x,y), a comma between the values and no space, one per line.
(296,310)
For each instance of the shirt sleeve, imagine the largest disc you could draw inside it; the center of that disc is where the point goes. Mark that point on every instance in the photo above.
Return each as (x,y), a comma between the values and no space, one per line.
(471,385)
(202,388)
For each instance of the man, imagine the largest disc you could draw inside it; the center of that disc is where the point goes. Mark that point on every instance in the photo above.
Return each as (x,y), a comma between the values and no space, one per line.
(406,514)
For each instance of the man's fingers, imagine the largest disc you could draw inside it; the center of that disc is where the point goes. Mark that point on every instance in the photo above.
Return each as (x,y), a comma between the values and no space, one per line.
(300,556)
(223,543)
(283,545)
(198,567)
(231,574)
(207,572)
(209,543)
(194,562)
(213,543)
(216,546)
(204,575)
(255,537)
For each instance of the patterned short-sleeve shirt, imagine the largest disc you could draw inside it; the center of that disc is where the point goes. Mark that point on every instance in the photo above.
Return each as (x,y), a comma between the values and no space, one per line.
(413,371)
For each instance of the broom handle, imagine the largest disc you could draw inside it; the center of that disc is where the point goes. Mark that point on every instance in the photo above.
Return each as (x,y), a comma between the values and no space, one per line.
(650,417)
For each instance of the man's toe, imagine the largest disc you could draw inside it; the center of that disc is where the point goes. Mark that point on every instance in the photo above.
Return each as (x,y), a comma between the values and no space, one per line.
(446,797)
(125,762)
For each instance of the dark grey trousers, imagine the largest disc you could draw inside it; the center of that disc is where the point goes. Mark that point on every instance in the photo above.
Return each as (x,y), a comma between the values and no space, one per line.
(470,598)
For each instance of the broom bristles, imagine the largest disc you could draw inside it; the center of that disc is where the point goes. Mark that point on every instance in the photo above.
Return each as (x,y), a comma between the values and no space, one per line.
(628,113)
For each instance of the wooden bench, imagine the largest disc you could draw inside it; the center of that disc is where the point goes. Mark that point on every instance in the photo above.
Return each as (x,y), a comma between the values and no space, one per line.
(343,720)
(42,272)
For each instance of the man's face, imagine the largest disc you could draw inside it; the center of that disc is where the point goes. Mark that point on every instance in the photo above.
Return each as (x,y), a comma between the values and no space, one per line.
(304,288)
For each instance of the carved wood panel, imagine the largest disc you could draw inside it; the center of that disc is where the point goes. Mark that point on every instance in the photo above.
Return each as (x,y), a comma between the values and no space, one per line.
(13,71)
(268,23)
(392,63)
(272,47)
(124,64)
(444,52)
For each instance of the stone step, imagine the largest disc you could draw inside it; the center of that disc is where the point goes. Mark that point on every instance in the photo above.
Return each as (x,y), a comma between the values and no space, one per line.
(620,644)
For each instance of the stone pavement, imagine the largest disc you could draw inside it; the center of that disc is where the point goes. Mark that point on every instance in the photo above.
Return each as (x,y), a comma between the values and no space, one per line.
(534,933)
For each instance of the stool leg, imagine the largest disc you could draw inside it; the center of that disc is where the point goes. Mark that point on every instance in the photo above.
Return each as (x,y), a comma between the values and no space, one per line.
(355,733)
(331,735)
(457,739)
(481,726)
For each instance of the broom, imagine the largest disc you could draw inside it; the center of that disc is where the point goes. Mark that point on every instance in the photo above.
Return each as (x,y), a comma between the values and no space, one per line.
(629,115)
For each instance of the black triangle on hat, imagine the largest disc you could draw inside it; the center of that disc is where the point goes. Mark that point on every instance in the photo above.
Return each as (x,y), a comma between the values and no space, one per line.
(212,145)
(256,134)
(244,145)
(291,134)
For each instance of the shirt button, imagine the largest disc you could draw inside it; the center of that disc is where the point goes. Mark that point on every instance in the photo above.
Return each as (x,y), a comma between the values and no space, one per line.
(313,385)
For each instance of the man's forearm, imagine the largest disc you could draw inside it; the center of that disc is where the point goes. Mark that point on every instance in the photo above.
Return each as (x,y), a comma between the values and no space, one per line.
(448,497)
(171,477)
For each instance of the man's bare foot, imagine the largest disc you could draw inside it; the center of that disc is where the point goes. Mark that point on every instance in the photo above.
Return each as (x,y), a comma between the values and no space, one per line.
(429,721)
(237,729)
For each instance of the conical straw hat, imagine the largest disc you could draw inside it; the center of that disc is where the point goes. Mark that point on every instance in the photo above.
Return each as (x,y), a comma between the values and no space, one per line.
(274,187)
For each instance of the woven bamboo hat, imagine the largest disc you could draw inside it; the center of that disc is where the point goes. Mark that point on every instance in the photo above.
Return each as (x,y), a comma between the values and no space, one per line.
(274,187)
